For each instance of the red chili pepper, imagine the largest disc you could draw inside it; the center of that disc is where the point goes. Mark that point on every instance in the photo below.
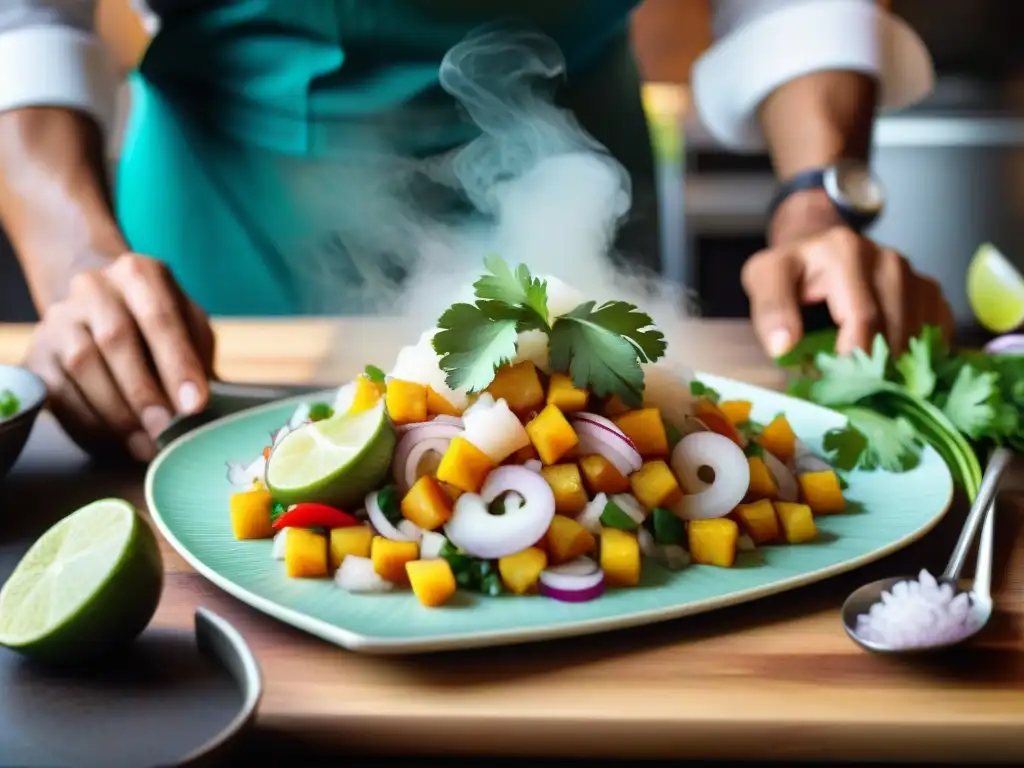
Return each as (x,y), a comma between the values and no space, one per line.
(313,515)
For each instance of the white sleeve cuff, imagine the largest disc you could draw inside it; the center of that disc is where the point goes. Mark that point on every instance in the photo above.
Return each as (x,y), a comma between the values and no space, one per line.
(56,66)
(732,79)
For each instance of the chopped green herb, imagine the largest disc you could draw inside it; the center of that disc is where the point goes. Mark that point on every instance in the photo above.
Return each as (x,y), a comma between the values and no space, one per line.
(9,404)
(673,434)
(389,503)
(320,411)
(614,516)
(374,374)
(491,585)
(668,529)
(276,511)
(700,389)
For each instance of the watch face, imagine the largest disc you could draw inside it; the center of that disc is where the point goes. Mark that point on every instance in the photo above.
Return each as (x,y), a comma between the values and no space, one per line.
(854,185)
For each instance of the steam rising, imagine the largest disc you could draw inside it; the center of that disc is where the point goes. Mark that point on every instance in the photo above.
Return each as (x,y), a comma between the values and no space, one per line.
(543,193)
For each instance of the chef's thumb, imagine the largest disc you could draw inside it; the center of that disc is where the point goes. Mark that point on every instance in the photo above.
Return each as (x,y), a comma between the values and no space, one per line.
(772,285)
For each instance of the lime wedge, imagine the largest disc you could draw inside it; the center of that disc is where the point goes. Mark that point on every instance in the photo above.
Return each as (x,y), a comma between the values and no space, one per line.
(335,461)
(995,290)
(90,584)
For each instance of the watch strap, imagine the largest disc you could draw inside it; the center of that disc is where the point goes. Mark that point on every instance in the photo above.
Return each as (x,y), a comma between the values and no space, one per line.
(814,178)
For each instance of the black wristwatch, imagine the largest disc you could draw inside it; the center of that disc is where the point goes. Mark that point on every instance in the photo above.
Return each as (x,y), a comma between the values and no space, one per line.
(856,193)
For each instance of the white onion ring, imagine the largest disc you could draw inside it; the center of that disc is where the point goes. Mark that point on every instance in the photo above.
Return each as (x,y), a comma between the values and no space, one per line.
(476,531)
(402,429)
(382,525)
(414,445)
(607,440)
(732,476)
(784,480)
(562,581)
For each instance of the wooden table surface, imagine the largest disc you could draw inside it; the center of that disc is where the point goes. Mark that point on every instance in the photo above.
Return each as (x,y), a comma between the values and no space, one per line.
(776,679)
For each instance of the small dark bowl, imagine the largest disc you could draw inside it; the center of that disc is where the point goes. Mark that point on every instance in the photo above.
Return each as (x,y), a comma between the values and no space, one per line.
(14,431)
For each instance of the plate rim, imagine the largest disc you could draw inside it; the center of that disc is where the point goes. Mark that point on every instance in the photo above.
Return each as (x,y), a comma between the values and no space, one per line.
(376,645)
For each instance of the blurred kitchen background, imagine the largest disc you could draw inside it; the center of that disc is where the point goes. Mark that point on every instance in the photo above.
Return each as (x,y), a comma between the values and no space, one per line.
(953,165)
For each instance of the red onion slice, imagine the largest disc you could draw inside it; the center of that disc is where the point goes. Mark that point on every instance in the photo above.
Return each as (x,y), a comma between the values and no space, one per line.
(605,439)
(571,587)
(804,460)
(600,421)
(475,530)
(1010,344)
(732,475)
(383,526)
(784,479)
(580,566)
(414,445)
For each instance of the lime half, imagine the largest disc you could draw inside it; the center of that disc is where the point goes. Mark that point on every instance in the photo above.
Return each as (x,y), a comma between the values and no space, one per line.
(90,584)
(995,290)
(335,461)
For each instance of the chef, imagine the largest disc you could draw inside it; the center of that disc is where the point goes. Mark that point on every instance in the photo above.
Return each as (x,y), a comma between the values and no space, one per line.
(246,151)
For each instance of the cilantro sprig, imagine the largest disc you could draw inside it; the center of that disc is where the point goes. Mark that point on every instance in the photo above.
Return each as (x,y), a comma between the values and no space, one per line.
(601,347)
(961,403)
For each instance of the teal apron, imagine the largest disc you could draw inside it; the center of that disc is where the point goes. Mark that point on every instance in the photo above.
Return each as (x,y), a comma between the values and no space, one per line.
(264,140)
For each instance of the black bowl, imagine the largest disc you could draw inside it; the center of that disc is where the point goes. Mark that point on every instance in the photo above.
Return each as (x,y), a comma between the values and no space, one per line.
(14,430)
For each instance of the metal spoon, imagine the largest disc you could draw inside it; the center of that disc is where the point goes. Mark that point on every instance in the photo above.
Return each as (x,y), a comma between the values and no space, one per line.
(861,600)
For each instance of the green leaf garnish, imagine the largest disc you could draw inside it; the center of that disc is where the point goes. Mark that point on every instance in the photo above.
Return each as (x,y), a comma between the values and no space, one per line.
(915,366)
(891,445)
(518,291)
(845,380)
(374,374)
(473,346)
(601,348)
(972,402)
(700,389)
(960,403)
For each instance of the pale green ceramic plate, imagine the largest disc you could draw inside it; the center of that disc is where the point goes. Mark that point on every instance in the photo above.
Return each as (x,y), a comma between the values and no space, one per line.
(187,492)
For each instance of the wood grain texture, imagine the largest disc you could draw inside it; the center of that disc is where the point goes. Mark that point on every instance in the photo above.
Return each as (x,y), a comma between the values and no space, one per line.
(777,679)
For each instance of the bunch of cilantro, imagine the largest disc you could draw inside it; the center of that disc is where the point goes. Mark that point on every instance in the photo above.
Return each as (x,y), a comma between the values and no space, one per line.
(961,403)
(601,347)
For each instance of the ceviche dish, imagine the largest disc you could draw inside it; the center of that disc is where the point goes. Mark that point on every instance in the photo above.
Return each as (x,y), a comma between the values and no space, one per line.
(534,443)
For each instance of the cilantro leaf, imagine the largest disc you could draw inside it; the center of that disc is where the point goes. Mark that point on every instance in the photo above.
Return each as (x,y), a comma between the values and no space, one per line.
(844,447)
(472,346)
(846,380)
(889,444)
(808,348)
(374,374)
(915,366)
(519,290)
(972,401)
(700,389)
(602,348)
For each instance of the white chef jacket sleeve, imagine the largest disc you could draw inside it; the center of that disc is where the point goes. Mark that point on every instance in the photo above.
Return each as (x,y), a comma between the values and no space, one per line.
(762,44)
(50,56)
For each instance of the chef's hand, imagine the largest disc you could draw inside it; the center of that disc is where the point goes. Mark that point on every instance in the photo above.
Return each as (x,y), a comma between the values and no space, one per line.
(868,288)
(123,352)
